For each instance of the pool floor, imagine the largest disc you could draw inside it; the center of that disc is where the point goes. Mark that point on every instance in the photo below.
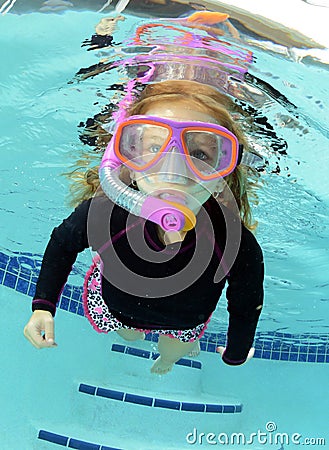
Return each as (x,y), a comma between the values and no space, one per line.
(88,394)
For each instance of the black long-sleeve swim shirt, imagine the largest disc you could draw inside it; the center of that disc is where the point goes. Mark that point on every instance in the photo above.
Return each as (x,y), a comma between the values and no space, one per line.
(146,284)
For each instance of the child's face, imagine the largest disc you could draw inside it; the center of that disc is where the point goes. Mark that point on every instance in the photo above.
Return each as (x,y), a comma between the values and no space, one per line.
(187,190)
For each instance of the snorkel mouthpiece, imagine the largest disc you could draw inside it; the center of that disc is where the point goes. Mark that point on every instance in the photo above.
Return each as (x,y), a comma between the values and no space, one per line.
(171,216)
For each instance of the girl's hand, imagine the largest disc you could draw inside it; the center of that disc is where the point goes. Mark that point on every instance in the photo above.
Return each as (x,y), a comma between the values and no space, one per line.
(221,350)
(40,329)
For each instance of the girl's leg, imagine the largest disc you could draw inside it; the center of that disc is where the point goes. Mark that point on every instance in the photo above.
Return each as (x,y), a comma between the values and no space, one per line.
(195,350)
(171,350)
(130,335)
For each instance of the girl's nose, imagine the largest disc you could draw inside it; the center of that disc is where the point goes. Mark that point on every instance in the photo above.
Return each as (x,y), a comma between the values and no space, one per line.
(173,168)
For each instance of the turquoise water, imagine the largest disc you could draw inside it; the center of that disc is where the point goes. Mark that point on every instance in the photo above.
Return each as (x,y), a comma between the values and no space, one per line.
(40,112)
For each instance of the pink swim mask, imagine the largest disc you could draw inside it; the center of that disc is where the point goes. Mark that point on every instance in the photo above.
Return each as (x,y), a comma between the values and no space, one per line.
(209,150)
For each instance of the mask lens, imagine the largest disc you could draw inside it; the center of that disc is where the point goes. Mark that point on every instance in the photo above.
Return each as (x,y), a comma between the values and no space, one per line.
(210,152)
(140,144)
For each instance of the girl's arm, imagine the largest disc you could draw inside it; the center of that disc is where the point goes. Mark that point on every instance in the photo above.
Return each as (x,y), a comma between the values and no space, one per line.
(245,299)
(67,240)
(65,243)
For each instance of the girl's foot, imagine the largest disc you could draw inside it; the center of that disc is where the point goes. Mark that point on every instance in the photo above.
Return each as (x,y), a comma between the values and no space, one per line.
(195,350)
(161,366)
(131,335)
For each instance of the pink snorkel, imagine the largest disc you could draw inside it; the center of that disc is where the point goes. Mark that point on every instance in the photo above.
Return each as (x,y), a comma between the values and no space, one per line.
(171,216)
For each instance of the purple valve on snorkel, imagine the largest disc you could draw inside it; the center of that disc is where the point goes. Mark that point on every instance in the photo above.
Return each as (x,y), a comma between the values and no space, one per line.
(160,212)
(171,216)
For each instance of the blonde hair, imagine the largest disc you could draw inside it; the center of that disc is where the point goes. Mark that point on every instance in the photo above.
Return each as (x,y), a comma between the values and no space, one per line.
(242,181)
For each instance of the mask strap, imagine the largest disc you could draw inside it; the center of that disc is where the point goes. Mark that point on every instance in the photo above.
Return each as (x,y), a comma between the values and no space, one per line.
(248,158)
(240,154)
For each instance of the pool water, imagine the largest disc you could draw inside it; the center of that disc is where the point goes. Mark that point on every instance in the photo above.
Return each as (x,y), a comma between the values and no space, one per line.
(96,391)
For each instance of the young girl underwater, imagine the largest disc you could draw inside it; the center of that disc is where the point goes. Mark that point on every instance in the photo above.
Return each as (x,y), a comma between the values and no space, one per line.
(167,239)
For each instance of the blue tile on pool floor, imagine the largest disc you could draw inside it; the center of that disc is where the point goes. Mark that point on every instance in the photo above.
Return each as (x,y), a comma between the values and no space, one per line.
(228,409)
(139,399)
(3,259)
(137,352)
(76,294)
(266,354)
(64,303)
(275,355)
(109,393)
(302,357)
(168,404)
(196,365)
(293,356)
(197,407)
(22,286)
(87,389)
(320,358)
(10,280)
(80,311)
(82,445)
(31,290)
(184,362)
(258,353)
(211,348)
(53,437)
(284,356)
(214,408)
(118,348)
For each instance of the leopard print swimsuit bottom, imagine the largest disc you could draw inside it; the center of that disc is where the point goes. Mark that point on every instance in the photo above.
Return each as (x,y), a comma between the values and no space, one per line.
(103,321)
